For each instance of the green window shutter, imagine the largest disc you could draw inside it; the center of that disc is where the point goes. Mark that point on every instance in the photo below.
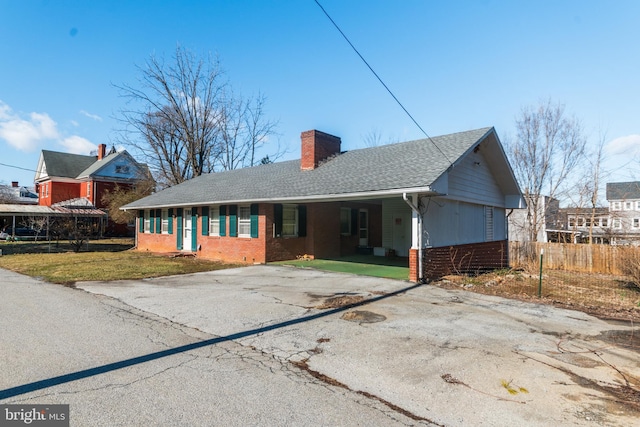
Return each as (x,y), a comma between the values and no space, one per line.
(354,222)
(194,229)
(141,221)
(205,221)
(254,220)
(158,221)
(277,219)
(170,214)
(223,220)
(152,214)
(179,236)
(302,221)
(233,220)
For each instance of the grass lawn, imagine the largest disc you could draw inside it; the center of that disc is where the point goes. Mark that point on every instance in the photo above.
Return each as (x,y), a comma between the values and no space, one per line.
(363,265)
(104,261)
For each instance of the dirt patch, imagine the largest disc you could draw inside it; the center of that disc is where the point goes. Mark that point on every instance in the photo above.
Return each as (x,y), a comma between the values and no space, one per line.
(625,339)
(363,317)
(607,297)
(340,301)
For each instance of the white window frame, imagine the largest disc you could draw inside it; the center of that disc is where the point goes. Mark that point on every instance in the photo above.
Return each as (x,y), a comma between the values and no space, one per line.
(244,221)
(214,221)
(290,221)
(627,206)
(147,221)
(617,223)
(345,214)
(164,227)
(89,189)
(604,222)
(636,222)
(615,206)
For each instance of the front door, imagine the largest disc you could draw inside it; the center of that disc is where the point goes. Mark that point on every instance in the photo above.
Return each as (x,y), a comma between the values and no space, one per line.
(363,225)
(188,222)
(401,232)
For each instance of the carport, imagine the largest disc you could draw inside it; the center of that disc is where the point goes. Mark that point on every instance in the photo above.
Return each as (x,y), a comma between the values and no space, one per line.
(15,215)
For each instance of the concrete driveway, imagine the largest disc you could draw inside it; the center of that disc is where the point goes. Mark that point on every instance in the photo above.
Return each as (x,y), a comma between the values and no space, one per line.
(437,356)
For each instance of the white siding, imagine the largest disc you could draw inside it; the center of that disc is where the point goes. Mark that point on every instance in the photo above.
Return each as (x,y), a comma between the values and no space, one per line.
(472,181)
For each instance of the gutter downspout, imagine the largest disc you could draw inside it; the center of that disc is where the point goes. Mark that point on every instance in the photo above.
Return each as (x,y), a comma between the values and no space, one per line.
(415,209)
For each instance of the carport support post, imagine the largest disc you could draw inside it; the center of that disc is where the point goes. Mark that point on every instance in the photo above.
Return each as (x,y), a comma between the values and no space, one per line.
(416,239)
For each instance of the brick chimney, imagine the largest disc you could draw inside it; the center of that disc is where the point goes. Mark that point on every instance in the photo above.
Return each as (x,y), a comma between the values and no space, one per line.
(102,151)
(317,146)
(14,184)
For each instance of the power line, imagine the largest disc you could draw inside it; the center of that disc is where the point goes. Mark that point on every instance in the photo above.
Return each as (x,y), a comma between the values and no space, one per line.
(18,167)
(380,80)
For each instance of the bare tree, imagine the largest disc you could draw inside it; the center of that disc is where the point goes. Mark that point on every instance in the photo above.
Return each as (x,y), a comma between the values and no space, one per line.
(548,148)
(244,131)
(374,138)
(181,116)
(121,195)
(7,195)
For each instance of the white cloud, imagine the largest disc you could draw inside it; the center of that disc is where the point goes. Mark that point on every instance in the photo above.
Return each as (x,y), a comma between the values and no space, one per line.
(627,145)
(25,134)
(91,116)
(78,145)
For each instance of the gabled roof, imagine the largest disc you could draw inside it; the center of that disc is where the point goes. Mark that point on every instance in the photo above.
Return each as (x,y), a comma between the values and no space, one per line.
(364,173)
(623,190)
(76,166)
(97,165)
(64,165)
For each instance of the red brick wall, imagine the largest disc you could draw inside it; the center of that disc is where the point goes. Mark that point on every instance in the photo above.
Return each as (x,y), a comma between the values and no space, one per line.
(323,239)
(58,192)
(413,265)
(465,259)
(317,146)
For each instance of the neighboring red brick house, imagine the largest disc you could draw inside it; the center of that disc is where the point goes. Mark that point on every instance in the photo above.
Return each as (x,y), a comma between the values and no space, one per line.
(73,180)
(409,199)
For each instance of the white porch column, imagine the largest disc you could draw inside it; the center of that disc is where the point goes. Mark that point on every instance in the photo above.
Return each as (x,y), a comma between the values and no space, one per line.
(415,226)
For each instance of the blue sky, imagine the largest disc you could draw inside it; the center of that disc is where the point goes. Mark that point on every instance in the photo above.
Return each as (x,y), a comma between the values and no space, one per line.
(455,65)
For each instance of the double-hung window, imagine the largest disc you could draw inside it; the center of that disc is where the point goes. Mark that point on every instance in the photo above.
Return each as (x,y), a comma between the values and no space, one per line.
(289,220)
(165,221)
(214,221)
(244,221)
(147,221)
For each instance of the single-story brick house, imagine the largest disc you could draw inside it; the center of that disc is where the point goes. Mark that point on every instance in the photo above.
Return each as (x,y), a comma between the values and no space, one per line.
(445,198)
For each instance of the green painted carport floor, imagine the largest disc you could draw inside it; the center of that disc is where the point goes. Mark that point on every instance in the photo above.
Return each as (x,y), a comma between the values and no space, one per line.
(364,265)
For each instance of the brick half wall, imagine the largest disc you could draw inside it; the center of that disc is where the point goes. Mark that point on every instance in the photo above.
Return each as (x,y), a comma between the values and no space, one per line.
(471,258)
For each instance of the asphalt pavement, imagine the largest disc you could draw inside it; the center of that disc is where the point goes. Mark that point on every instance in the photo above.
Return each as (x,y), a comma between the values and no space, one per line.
(269,345)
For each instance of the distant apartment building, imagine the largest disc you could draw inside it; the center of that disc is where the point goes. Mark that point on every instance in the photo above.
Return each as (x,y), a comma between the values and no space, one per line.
(617,224)
(624,212)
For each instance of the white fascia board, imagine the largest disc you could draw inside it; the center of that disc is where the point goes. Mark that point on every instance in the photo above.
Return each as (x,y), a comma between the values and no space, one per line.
(306,199)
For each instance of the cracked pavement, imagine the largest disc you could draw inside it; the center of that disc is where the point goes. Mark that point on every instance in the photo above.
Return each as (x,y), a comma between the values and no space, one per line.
(423,356)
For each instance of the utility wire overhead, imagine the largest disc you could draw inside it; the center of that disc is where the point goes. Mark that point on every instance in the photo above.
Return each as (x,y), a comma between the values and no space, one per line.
(380,80)
(18,167)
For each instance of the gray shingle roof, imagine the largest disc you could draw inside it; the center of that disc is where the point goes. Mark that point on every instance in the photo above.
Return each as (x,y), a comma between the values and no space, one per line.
(623,190)
(393,167)
(64,164)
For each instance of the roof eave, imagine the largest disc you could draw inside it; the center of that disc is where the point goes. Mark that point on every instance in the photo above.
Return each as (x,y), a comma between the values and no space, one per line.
(364,195)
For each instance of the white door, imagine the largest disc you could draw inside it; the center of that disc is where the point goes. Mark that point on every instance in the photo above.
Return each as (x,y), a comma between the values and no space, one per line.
(401,232)
(186,242)
(363,224)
